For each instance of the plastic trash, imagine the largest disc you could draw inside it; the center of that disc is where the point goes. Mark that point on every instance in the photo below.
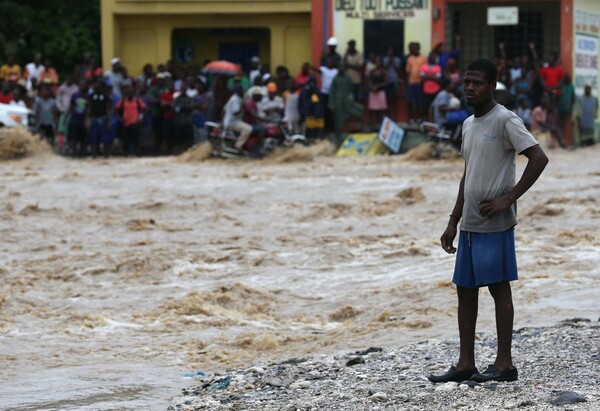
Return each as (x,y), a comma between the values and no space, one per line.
(221,384)
(193,374)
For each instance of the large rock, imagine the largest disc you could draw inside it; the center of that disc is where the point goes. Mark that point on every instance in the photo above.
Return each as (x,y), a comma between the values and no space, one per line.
(569,397)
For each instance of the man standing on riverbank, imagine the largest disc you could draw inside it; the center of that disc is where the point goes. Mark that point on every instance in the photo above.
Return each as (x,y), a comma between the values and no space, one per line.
(486,204)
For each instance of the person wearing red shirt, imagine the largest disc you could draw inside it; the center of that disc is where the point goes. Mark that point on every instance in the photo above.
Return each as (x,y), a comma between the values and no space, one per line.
(6,95)
(130,109)
(302,77)
(552,75)
(168,117)
(431,74)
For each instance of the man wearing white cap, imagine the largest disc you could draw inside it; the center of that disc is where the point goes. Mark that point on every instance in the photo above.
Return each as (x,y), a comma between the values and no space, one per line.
(115,76)
(330,53)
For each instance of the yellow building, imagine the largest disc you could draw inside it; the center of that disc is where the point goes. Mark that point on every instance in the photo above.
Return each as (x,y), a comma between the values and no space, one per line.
(192,31)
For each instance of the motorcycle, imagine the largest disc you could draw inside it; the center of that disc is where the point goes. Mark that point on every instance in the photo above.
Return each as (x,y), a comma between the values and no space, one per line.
(275,135)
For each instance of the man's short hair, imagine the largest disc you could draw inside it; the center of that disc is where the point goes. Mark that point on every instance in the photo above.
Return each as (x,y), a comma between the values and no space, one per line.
(485,66)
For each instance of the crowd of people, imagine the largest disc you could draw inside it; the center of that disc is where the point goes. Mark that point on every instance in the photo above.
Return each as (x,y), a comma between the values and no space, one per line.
(163,110)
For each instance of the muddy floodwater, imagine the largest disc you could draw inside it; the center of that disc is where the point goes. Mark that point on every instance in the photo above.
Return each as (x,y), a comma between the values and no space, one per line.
(118,277)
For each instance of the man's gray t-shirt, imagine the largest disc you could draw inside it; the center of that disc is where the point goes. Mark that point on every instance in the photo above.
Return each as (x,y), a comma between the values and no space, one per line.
(489,146)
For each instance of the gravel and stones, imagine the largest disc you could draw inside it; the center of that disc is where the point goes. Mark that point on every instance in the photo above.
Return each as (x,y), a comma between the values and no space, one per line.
(557,365)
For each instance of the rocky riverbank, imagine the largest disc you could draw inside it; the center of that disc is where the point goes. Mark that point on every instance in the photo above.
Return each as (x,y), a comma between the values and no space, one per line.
(559,368)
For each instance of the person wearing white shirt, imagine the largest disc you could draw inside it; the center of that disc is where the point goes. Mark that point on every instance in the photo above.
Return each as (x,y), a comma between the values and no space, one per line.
(33,71)
(232,118)
(254,69)
(328,73)
(271,104)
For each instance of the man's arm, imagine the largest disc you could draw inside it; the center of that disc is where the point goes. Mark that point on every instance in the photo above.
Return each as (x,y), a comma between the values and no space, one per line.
(536,163)
(450,232)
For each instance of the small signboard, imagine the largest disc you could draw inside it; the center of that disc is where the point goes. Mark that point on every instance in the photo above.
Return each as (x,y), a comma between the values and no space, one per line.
(379,9)
(587,48)
(391,135)
(362,144)
(502,16)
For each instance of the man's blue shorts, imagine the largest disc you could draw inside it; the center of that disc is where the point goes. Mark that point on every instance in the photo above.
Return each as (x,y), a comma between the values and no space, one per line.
(99,132)
(483,259)
(415,94)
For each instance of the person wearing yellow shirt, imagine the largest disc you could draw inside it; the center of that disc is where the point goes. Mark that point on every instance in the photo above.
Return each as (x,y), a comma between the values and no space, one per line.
(10,69)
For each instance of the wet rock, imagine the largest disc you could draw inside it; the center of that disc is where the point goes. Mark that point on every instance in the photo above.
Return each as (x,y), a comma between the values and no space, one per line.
(302,384)
(401,397)
(448,386)
(403,367)
(355,361)
(379,397)
(294,361)
(278,381)
(314,375)
(469,383)
(493,386)
(525,404)
(577,320)
(369,351)
(569,397)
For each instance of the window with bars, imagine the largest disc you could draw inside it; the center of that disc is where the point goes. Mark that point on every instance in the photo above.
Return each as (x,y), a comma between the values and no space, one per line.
(517,38)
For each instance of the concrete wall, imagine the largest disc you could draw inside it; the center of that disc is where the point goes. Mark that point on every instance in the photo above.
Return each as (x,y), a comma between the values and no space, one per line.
(141,31)
(417,27)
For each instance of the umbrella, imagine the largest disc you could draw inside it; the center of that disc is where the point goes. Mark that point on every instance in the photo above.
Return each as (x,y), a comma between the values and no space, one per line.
(222,67)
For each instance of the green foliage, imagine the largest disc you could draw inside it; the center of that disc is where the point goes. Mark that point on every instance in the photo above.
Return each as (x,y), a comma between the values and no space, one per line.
(62,30)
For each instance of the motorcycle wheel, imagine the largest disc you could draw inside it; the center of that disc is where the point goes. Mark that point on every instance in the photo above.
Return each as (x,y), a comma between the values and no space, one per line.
(298,140)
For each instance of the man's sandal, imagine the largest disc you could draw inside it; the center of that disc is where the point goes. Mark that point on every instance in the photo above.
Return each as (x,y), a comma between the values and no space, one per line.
(453,375)
(494,374)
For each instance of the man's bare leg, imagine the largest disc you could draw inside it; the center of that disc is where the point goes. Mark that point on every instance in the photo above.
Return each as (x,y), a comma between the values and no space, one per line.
(502,295)
(468,299)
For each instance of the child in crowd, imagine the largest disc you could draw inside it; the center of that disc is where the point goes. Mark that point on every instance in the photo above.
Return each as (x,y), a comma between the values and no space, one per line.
(45,112)
(63,102)
(377,100)
(544,119)
(77,132)
(291,112)
(523,111)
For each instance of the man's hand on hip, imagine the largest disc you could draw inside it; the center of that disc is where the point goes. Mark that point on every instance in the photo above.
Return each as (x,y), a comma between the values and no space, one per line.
(487,208)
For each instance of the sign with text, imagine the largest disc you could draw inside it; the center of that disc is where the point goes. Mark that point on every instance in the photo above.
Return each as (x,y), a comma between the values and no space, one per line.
(502,16)
(586,49)
(391,134)
(362,144)
(379,9)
